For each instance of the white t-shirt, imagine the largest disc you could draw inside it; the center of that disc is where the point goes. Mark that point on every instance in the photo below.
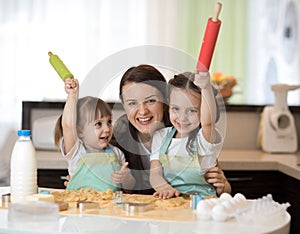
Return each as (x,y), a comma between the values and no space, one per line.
(78,149)
(178,145)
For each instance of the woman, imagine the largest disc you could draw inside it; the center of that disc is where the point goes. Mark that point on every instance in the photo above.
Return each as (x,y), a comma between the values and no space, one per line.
(143,95)
(143,92)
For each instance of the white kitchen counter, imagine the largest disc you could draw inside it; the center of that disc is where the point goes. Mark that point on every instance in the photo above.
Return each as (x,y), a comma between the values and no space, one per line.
(106,224)
(228,159)
(259,160)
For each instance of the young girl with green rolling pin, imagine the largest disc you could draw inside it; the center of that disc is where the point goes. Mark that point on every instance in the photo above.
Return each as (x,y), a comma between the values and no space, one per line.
(83,133)
(183,154)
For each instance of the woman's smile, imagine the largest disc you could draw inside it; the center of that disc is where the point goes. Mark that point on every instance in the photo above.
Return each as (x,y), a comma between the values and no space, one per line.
(143,120)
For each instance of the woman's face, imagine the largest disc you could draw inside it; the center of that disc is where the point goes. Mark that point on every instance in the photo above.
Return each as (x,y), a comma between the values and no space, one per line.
(143,105)
(184,111)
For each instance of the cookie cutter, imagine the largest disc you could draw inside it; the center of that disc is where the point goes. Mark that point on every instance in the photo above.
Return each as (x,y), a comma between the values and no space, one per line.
(195,198)
(5,200)
(119,199)
(133,208)
(87,205)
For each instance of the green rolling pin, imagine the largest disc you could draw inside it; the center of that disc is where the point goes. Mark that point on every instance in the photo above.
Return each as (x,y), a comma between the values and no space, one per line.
(59,67)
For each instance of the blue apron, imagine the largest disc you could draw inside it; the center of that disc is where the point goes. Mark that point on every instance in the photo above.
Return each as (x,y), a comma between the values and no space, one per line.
(183,172)
(94,170)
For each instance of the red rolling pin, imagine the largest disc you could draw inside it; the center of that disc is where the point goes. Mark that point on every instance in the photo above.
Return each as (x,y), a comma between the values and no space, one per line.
(209,40)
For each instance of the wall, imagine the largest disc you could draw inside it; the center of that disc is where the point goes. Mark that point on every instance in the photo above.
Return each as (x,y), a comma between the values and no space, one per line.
(230,51)
(242,129)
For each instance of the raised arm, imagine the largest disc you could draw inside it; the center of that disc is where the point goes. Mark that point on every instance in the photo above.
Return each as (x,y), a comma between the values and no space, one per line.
(208,106)
(70,114)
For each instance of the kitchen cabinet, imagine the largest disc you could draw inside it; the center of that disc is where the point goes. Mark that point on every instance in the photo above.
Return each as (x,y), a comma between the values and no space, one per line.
(255,184)
(52,178)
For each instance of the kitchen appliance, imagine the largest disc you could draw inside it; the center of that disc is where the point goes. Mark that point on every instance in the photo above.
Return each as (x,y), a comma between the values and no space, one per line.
(277,132)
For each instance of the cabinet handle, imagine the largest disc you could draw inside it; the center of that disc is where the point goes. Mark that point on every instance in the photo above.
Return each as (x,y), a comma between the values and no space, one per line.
(63,177)
(240,179)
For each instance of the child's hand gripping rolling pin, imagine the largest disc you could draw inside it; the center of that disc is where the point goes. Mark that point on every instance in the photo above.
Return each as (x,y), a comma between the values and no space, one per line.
(62,71)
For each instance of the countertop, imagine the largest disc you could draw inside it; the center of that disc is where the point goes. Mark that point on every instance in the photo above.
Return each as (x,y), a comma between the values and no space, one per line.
(228,160)
(101,223)
(259,160)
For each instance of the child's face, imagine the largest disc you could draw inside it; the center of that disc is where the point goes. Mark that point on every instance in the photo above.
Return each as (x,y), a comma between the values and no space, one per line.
(184,111)
(98,134)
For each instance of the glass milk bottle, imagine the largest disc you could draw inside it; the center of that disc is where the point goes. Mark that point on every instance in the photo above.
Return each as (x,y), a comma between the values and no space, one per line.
(23,168)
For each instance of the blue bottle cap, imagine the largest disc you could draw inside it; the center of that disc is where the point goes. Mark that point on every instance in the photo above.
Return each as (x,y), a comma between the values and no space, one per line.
(44,191)
(24,132)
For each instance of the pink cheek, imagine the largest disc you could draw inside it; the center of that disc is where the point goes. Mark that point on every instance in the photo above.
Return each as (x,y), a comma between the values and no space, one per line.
(172,116)
(131,114)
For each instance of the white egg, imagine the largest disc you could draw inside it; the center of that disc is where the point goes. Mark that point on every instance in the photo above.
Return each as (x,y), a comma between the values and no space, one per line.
(225,196)
(226,204)
(219,209)
(203,207)
(219,213)
(203,210)
(229,206)
(240,197)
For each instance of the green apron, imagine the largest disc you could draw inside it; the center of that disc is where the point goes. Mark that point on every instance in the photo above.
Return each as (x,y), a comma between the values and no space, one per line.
(183,173)
(94,170)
